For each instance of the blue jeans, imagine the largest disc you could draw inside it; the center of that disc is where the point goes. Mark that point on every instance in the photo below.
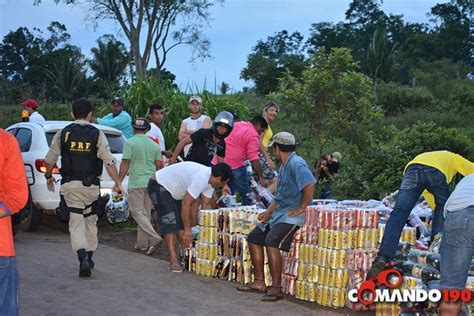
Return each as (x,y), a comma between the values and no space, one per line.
(326,190)
(240,184)
(417,178)
(457,248)
(9,286)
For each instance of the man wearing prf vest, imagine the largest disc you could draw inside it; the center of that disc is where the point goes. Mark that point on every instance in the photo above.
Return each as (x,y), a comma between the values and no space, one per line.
(429,173)
(83,148)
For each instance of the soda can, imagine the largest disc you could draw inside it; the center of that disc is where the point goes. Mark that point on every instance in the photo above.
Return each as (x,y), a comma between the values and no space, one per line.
(308,272)
(315,274)
(323,237)
(335,297)
(330,235)
(311,252)
(374,237)
(303,290)
(212,251)
(325,295)
(213,235)
(319,290)
(345,278)
(201,218)
(337,278)
(301,270)
(361,235)
(300,252)
(337,240)
(311,292)
(298,289)
(338,219)
(344,239)
(355,237)
(320,256)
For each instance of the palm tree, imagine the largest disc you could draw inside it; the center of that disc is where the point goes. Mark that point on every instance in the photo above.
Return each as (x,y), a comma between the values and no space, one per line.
(67,71)
(381,56)
(110,59)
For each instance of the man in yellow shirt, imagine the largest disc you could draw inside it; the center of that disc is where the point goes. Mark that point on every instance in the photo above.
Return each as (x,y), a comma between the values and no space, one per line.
(429,173)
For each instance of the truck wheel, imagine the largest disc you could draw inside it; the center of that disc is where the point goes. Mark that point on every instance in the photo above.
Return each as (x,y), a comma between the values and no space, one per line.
(31,217)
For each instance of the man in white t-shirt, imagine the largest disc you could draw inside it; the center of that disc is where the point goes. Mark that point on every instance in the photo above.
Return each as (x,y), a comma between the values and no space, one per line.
(31,106)
(173,190)
(196,121)
(156,114)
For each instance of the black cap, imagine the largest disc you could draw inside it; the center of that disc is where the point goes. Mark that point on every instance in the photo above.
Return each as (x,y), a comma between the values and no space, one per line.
(141,123)
(117,100)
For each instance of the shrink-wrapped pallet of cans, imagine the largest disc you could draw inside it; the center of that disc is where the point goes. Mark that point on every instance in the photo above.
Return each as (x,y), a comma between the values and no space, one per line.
(222,249)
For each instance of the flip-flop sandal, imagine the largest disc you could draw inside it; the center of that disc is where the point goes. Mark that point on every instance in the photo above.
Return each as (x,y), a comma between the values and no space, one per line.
(272,297)
(249,289)
(176,268)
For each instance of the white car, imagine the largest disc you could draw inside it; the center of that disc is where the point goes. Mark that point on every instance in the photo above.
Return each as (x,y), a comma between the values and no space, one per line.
(34,140)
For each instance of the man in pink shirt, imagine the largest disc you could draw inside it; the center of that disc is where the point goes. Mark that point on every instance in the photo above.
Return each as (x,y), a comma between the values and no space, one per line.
(243,144)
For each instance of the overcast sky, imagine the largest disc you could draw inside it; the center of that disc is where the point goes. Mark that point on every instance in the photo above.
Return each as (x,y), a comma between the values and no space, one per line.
(235,28)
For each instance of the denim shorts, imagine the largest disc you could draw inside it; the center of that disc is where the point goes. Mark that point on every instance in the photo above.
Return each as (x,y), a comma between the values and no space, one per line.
(166,207)
(278,236)
(457,248)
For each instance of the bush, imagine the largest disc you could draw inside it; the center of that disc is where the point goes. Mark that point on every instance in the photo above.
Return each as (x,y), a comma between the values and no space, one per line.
(395,98)
(384,168)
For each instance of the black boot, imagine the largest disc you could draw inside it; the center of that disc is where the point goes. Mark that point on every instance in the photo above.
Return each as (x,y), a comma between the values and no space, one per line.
(84,266)
(91,263)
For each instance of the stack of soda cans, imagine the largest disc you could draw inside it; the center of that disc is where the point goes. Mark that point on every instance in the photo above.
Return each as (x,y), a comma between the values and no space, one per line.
(332,233)
(222,250)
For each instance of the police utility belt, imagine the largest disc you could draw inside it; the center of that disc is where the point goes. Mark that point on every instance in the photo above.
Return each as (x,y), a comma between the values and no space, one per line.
(86,181)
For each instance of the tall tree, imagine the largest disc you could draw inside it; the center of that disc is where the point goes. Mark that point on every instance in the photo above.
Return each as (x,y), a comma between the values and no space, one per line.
(109,61)
(454,29)
(270,58)
(67,71)
(381,56)
(155,26)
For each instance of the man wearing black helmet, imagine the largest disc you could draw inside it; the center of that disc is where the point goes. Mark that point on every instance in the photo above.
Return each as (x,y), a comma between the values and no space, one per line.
(207,142)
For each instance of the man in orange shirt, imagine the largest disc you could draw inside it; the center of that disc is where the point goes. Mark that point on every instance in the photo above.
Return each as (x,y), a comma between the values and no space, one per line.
(13,196)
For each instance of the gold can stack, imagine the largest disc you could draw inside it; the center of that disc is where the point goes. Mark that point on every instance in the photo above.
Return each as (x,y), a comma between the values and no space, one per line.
(222,249)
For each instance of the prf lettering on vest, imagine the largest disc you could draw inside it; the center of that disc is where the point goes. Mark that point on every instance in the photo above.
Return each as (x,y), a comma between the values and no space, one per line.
(80,146)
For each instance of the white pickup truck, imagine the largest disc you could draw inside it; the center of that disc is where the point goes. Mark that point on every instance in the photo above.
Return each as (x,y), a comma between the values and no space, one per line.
(34,140)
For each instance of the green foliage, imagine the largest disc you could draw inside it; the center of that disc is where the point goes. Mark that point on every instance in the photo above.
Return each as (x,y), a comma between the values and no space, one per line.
(386,165)
(12,114)
(395,98)
(381,56)
(110,59)
(330,101)
(149,90)
(271,58)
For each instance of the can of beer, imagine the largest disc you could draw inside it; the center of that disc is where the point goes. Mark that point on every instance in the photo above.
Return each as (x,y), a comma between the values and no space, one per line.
(374,237)
(338,240)
(311,251)
(301,252)
(325,295)
(314,274)
(302,290)
(323,237)
(319,292)
(338,278)
(301,270)
(355,237)
(361,236)
(298,289)
(212,251)
(308,272)
(336,297)
(330,235)
(311,291)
